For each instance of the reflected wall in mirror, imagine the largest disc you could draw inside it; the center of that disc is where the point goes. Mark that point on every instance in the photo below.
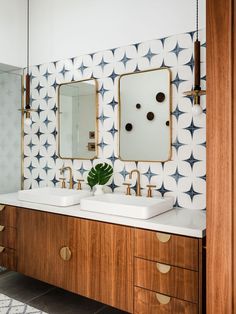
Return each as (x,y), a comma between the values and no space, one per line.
(145,119)
(77,107)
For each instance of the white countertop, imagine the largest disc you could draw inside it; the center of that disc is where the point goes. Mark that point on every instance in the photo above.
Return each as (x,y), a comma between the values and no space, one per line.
(187,222)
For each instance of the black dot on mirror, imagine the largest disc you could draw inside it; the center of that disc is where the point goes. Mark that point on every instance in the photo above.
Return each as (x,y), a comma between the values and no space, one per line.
(160,97)
(138,106)
(167,123)
(150,116)
(129,127)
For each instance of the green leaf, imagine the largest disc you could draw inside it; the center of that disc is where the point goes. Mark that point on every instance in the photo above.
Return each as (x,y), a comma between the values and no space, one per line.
(100,174)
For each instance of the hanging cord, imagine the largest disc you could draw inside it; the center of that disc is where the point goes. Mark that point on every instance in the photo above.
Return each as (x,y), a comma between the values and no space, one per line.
(197,15)
(28,35)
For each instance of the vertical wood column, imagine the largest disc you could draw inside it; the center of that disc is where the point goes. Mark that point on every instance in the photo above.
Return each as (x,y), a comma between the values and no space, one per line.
(221,124)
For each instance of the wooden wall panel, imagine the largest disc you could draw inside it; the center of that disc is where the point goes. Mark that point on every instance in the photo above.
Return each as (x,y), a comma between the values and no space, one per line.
(220,127)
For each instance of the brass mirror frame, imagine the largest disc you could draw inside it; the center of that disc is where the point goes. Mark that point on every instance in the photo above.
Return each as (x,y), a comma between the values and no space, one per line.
(59,124)
(170,112)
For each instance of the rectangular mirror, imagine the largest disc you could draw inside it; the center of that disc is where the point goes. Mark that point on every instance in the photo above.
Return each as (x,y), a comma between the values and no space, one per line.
(145,115)
(77,107)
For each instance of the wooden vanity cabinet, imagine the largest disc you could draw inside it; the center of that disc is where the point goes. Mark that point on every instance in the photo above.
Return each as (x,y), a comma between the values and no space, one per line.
(8,224)
(135,270)
(99,256)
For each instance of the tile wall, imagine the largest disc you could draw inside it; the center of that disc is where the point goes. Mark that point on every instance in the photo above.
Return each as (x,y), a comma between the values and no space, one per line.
(184,176)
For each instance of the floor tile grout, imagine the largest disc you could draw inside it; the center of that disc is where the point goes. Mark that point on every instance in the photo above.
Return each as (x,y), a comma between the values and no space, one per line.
(40,295)
(102,308)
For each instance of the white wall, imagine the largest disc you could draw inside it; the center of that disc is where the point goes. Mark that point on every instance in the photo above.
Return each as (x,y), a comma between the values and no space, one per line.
(68,28)
(13,32)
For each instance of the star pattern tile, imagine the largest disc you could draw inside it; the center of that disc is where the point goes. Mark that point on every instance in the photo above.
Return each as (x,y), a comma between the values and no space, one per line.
(40,138)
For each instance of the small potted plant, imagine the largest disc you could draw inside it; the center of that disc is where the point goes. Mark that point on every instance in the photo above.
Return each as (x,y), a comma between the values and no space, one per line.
(98,176)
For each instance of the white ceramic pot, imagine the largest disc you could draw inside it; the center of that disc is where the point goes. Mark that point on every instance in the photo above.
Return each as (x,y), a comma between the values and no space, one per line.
(98,189)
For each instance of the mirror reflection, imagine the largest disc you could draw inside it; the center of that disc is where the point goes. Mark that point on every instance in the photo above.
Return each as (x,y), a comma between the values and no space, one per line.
(145,120)
(77,120)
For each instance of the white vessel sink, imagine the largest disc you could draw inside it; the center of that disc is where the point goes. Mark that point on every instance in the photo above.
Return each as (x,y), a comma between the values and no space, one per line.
(128,206)
(53,196)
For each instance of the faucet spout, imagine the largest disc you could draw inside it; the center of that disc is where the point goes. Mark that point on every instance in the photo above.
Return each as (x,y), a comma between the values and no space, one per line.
(71,176)
(138,188)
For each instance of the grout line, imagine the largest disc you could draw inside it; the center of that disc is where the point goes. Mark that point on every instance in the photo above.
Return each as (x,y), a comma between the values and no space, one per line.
(40,295)
(101,309)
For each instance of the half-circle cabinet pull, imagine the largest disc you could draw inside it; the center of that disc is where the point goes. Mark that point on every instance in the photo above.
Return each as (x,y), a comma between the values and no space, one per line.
(2,207)
(162,268)
(163,237)
(65,253)
(2,228)
(2,248)
(162,299)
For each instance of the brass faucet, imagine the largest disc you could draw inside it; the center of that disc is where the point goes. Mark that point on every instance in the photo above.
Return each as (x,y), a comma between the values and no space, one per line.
(62,170)
(138,189)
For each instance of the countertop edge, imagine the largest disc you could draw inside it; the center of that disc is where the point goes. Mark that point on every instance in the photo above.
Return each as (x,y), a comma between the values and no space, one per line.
(76,211)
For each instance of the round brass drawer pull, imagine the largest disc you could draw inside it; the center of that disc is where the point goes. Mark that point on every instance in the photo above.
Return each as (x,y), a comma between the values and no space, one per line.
(2,228)
(2,248)
(164,269)
(163,237)
(162,299)
(65,253)
(2,207)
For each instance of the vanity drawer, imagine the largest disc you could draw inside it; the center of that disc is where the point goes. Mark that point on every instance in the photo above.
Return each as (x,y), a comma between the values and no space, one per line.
(8,216)
(173,281)
(8,237)
(7,258)
(146,301)
(166,248)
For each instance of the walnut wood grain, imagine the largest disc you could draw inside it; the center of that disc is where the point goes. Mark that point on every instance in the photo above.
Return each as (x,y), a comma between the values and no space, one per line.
(8,237)
(40,236)
(101,264)
(106,263)
(221,125)
(177,282)
(146,302)
(178,251)
(8,259)
(8,216)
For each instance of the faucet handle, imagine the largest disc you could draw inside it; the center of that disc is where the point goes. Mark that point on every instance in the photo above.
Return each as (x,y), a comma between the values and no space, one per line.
(63,182)
(79,184)
(128,190)
(150,186)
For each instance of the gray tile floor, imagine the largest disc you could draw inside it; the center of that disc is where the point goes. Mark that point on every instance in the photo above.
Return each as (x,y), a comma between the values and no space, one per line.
(48,298)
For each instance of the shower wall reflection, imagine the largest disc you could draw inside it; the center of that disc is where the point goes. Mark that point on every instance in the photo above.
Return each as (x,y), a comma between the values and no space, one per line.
(10,131)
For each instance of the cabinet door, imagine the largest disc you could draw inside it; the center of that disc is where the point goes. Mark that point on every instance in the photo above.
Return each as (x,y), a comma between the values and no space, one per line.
(106,263)
(101,262)
(40,237)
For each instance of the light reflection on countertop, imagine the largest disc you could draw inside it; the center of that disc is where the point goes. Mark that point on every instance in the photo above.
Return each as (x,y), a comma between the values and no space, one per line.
(182,221)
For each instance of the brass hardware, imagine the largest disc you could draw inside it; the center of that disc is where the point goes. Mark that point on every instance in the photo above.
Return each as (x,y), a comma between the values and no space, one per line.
(62,170)
(65,253)
(162,299)
(138,190)
(91,147)
(163,237)
(2,228)
(2,248)
(79,184)
(150,186)
(91,135)
(164,269)
(2,207)
(128,190)
(63,183)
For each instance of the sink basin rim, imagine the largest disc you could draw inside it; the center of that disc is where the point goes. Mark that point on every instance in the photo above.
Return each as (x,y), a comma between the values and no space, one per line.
(53,196)
(152,207)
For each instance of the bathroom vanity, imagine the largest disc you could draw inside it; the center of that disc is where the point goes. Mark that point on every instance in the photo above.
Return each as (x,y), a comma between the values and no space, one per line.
(139,266)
